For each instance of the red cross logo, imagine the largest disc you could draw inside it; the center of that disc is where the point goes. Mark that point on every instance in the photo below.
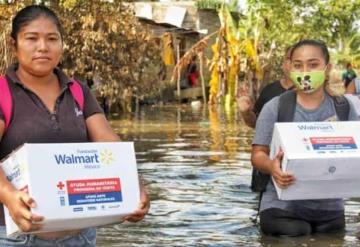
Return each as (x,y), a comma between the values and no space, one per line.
(60,185)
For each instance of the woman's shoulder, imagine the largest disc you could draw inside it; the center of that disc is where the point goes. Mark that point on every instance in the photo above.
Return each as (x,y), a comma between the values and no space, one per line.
(271,107)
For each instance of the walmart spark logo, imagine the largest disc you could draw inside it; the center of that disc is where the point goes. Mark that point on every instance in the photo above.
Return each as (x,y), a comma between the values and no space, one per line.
(106,157)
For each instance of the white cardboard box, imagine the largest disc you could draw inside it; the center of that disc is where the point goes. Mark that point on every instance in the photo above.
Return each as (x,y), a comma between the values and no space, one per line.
(75,185)
(323,156)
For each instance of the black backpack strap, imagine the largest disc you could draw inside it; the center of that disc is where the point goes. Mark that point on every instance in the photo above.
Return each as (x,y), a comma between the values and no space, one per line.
(287,105)
(286,111)
(342,107)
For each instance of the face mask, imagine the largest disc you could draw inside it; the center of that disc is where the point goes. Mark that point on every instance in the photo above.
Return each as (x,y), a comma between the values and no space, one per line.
(308,82)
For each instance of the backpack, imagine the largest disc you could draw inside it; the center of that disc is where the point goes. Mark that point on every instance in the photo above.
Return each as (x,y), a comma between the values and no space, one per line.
(6,101)
(286,111)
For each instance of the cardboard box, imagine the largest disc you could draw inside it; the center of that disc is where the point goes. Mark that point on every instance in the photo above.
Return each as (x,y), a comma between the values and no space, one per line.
(355,100)
(75,185)
(323,156)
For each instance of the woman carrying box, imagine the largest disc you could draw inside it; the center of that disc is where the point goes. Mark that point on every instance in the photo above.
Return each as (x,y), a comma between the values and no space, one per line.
(45,110)
(309,70)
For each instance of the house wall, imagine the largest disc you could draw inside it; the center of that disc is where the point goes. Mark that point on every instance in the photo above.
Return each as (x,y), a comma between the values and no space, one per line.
(208,19)
(195,20)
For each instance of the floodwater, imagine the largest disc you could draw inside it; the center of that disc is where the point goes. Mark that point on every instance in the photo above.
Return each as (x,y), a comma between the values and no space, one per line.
(195,163)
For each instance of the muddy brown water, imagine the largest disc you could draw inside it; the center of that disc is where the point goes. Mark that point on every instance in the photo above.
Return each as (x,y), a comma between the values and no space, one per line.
(196,165)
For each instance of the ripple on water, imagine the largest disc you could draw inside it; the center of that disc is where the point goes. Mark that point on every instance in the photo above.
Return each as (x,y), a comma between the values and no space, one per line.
(197,170)
(194,153)
(175,145)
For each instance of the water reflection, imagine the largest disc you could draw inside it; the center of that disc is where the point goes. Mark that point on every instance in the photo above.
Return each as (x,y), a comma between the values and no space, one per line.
(196,165)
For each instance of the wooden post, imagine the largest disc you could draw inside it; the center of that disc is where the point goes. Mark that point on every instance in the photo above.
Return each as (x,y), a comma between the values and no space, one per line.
(178,71)
(201,55)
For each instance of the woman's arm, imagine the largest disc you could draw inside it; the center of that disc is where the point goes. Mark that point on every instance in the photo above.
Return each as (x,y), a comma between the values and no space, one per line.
(99,130)
(246,110)
(261,161)
(18,202)
(144,206)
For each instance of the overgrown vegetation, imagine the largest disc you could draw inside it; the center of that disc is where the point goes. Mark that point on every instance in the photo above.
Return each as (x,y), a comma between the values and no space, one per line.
(103,40)
(216,4)
(248,53)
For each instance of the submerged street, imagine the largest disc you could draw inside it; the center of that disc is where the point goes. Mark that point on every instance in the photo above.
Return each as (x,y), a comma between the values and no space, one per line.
(196,165)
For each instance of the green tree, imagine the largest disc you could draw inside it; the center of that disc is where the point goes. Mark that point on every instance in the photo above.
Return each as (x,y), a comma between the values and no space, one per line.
(277,24)
(347,50)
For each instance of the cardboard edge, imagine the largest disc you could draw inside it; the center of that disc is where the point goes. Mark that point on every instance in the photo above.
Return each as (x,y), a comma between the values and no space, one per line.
(19,232)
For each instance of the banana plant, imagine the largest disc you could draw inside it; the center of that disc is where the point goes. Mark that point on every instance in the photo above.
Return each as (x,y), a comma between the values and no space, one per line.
(225,62)
(348,50)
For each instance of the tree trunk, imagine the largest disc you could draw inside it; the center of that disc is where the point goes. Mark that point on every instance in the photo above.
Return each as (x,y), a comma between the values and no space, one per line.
(178,72)
(201,55)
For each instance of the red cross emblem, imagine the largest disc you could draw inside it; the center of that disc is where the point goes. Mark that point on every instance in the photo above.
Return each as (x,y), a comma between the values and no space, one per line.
(60,185)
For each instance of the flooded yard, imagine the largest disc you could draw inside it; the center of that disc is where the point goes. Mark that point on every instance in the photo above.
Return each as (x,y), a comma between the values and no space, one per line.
(195,162)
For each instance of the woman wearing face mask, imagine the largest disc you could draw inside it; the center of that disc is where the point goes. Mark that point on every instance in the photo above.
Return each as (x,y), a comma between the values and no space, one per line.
(309,69)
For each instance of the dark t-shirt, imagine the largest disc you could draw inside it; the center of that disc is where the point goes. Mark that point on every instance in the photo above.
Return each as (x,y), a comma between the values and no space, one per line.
(32,122)
(348,76)
(269,92)
(263,136)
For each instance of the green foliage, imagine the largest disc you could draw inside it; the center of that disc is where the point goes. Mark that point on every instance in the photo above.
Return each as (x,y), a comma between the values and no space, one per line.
(334,21)
(270,32)
(348,51)
(216,4)
(106,40)
(102,40)
(208,4)
(277,24)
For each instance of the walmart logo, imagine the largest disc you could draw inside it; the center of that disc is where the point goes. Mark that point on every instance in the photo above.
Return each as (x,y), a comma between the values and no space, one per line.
(86,157)
(76,159)
(317,127)
(106,157)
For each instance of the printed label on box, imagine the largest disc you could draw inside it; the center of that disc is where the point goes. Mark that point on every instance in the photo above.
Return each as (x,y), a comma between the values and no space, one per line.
(333,143)
(92,191)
